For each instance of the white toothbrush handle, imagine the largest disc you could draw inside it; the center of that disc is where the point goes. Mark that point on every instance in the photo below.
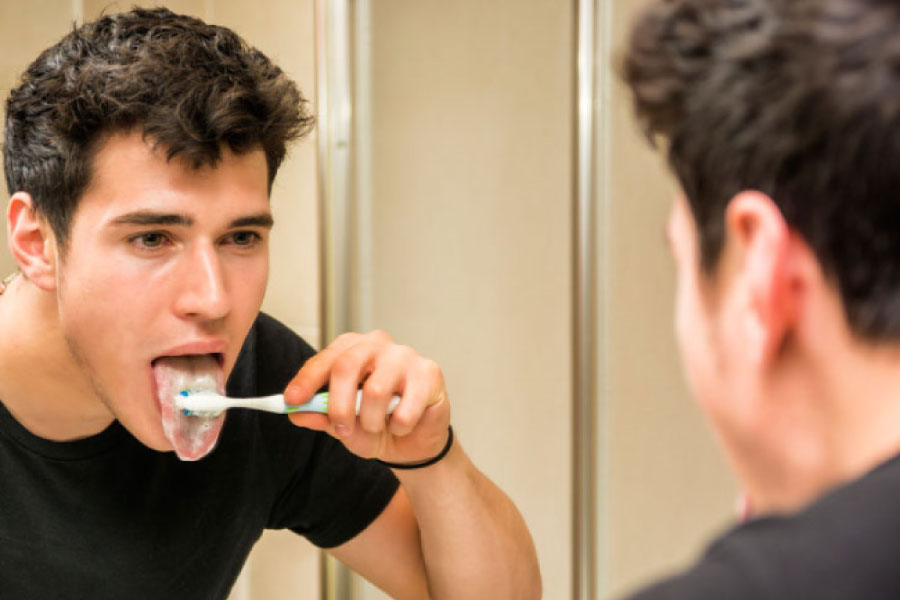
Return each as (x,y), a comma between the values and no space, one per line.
(276,404)
(319,404)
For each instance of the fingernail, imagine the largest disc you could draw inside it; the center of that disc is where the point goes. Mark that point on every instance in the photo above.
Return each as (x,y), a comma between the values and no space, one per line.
(341,430)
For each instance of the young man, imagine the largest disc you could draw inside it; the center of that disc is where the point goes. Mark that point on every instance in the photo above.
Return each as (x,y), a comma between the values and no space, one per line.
(782,122)
(139,154)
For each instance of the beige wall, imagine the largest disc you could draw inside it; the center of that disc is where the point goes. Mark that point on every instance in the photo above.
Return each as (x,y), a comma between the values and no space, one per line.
(471,180)
(282,564)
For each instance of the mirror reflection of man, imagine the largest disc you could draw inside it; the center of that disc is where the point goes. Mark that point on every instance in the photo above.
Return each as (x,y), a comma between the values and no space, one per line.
(781,119)
(139,153)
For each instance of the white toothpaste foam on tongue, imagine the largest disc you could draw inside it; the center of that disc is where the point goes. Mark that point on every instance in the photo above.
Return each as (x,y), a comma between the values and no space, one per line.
(192,437)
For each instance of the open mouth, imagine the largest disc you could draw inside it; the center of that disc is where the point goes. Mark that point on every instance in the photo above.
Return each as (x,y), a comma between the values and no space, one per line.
(192,437)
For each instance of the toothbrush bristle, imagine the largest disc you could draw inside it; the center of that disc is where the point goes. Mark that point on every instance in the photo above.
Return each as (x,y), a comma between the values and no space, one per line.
(188,412)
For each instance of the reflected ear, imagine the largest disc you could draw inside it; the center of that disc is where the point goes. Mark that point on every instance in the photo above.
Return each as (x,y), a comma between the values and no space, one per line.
(765,280)
(31,241)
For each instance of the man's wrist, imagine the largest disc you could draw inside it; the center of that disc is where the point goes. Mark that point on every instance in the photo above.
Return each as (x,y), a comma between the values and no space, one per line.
(426,463)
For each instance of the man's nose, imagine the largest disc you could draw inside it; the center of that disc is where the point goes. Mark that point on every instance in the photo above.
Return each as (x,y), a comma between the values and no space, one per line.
(202,291)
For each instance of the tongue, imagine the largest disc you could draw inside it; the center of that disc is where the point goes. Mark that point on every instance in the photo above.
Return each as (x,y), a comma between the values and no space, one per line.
(192,437)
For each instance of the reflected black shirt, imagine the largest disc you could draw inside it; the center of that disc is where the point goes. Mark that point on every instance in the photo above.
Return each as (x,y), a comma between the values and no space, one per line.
(845,546)
(107,517)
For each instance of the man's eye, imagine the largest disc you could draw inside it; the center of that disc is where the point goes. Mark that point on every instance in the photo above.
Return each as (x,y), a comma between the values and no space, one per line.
(245,238)
(149,240)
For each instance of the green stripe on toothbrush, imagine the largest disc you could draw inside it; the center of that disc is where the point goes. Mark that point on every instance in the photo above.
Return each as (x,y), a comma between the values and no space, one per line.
(292,408)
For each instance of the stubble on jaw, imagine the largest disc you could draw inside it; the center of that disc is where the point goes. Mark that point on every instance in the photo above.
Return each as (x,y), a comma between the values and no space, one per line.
(85,366)
(78,356)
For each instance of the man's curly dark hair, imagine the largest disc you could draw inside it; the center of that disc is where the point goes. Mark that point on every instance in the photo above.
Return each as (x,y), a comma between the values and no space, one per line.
(188,87)
(799,99)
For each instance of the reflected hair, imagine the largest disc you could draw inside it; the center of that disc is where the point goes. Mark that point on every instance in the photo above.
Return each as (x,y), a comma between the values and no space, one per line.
(799,99)
(189,88)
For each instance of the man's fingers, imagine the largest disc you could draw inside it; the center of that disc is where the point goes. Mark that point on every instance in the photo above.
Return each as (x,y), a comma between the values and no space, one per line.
(311,421)
(381,369)
(359,442)
(317,370)
(386,380)
(424,388)
(348,371)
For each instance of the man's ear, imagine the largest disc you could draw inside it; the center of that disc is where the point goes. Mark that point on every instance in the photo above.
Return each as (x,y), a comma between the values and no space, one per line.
(765,280)
(31,241)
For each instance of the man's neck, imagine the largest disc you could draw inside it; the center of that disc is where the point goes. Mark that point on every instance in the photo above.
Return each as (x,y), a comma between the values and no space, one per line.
(867,384)
(839,419)
(41,384)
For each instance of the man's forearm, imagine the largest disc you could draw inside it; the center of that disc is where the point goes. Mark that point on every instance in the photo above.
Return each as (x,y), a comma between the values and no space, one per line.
(474,541)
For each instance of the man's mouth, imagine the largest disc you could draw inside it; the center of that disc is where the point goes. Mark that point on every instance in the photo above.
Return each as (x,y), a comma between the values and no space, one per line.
(192,437)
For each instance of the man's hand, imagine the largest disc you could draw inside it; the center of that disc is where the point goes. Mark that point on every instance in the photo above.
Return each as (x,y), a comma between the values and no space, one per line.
(446,521)
(418,428)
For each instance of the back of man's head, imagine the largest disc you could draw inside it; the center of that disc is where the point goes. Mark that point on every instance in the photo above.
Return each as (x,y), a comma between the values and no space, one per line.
(189,87)
(799,99)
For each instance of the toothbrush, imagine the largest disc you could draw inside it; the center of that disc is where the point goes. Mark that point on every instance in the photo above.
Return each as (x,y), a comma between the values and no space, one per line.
(205,403)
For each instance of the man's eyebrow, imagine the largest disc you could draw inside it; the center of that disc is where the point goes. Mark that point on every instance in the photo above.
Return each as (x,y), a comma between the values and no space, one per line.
(258,220)
(144,217)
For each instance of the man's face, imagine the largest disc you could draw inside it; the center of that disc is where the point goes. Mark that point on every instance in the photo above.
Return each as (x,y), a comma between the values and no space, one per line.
(698,316)
(162,260)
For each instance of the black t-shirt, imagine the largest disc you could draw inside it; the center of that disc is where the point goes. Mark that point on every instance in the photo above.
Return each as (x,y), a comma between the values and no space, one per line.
(107,517)
(845,546)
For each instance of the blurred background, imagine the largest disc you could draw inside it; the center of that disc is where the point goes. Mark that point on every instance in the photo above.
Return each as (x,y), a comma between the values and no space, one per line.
(450,144)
